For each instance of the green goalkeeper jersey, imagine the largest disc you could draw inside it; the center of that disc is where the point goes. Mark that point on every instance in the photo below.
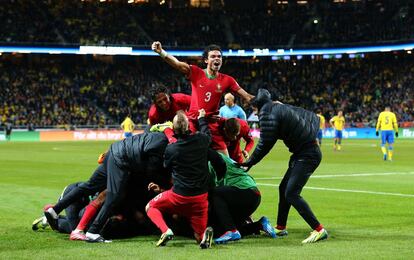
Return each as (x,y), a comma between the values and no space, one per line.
(234,176)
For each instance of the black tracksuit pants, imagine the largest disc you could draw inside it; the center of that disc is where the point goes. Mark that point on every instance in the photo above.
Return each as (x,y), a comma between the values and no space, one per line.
(302,164)
(231,206)
(108,175)
(73,212)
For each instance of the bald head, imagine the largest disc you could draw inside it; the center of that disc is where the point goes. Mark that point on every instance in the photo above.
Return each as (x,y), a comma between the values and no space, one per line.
(229,99)
(180,123)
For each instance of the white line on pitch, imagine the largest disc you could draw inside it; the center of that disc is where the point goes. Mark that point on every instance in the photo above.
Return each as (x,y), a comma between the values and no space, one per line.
(346,175)
(352,191)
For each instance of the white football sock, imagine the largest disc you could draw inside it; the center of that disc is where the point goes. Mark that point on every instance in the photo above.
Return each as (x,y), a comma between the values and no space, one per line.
(53,213)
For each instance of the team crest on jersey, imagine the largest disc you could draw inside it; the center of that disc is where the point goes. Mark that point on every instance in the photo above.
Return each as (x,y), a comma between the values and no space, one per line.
(219,90)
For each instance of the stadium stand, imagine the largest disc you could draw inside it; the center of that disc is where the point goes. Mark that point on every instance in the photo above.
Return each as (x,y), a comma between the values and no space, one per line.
(85,91)
(72,91)
(320,23)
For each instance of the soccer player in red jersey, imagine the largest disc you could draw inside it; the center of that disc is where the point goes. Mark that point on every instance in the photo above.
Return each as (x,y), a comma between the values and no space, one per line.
(233,130)
(165,105)
(207,88)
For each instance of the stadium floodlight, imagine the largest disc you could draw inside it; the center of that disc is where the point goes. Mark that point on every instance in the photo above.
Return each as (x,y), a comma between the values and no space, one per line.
(267,52)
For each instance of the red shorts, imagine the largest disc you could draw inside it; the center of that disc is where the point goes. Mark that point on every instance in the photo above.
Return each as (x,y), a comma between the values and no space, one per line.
(217,139)
(194,208)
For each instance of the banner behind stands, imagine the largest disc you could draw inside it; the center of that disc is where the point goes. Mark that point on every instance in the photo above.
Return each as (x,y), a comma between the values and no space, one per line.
(83,135)
(355,133)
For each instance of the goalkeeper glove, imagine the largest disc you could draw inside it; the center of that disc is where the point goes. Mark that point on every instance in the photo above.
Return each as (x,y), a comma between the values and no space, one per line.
(161,127)
(396,134)
(101,158)
(377,133)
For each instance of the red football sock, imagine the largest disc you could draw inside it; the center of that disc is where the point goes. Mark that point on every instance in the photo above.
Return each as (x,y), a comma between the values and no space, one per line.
(319,228)
(280,227)
(90,212)
(156,216)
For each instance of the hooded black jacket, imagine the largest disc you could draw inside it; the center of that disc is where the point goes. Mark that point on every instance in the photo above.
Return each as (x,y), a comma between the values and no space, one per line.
(297,127)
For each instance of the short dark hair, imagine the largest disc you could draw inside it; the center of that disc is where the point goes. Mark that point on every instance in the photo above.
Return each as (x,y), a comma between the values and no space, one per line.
(157,90)
(232,126)
(211,47)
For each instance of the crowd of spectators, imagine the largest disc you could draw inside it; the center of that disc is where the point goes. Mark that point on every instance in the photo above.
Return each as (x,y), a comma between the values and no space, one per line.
(44,96)
(70,92)
(373,22)
(82,91)
(360,87)
(96,24)
(318,23)
(23,22)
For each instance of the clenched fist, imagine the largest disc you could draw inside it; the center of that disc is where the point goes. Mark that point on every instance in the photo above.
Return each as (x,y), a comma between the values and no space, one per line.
(156,47)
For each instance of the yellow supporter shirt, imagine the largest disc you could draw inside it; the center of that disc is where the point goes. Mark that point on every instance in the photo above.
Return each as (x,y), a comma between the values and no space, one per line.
(321,121)
(387,121)
(339,122)
(128,125)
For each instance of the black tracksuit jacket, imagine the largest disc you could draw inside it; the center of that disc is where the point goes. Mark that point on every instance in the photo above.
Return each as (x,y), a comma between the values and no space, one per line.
(142,154)
(297,127)
(187,159)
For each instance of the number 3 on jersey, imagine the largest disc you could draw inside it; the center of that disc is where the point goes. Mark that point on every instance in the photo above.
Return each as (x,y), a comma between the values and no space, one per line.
(208,97)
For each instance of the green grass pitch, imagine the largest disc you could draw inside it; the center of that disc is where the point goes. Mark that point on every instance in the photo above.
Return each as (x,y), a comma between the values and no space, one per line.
(366,204)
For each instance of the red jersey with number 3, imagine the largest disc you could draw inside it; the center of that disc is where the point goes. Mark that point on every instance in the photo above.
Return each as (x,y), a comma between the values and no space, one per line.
(207,92)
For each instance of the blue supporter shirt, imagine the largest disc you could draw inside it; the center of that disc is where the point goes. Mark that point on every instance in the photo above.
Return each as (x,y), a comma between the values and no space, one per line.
(231,112)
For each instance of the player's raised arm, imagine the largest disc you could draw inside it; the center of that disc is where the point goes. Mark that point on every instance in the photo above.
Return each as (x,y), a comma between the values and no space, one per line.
(246,96)
(173,61)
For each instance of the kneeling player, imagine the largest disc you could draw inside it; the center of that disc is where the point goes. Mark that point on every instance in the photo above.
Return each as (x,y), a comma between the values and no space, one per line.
(140,154)
(187,159)
(233,200)
(233,130)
